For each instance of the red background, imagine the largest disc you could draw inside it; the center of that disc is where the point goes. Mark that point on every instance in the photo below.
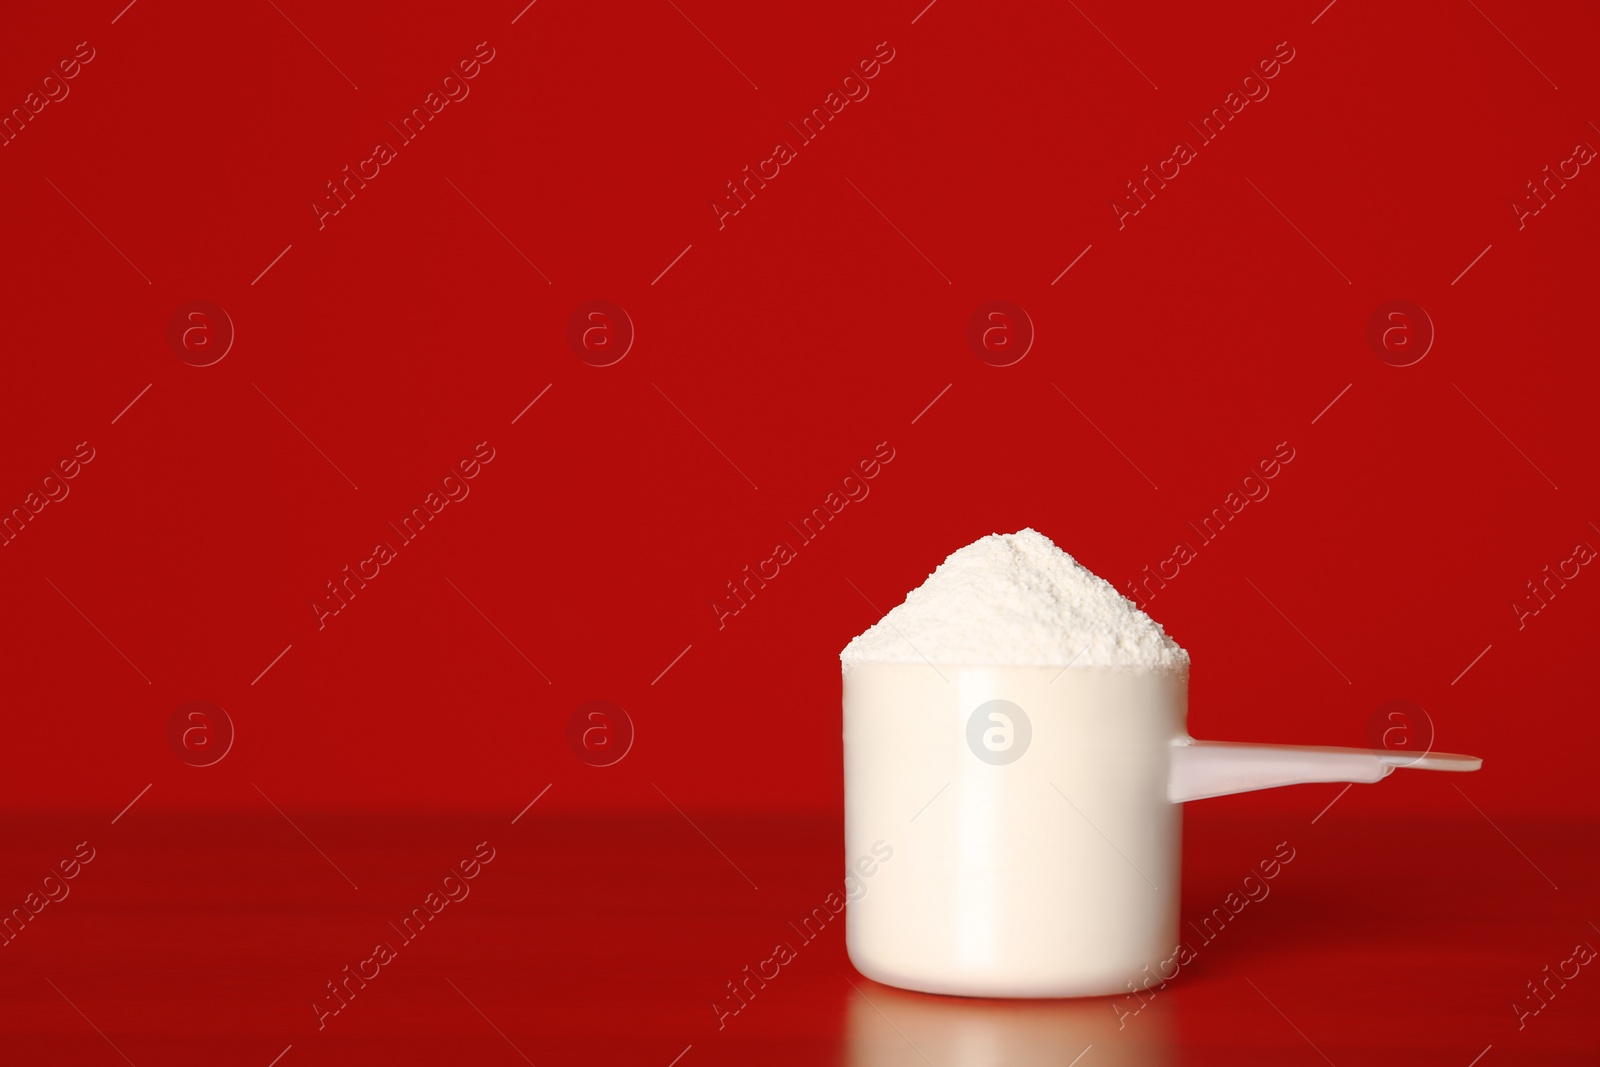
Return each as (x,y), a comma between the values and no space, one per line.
(819,322)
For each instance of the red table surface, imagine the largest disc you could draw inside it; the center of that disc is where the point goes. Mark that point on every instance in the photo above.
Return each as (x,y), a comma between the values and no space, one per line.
(204,939)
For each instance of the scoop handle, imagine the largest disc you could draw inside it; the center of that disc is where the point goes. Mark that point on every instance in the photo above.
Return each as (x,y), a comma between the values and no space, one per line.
(1201,769)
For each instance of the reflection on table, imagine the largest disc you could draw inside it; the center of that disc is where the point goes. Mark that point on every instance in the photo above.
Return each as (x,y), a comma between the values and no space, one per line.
(888,1027)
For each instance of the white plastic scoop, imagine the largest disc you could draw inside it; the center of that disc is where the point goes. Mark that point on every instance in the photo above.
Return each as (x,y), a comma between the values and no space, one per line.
(1016,831)
(1201,769)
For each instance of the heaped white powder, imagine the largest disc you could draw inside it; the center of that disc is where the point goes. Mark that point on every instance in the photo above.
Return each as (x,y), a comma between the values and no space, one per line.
(1017,599)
